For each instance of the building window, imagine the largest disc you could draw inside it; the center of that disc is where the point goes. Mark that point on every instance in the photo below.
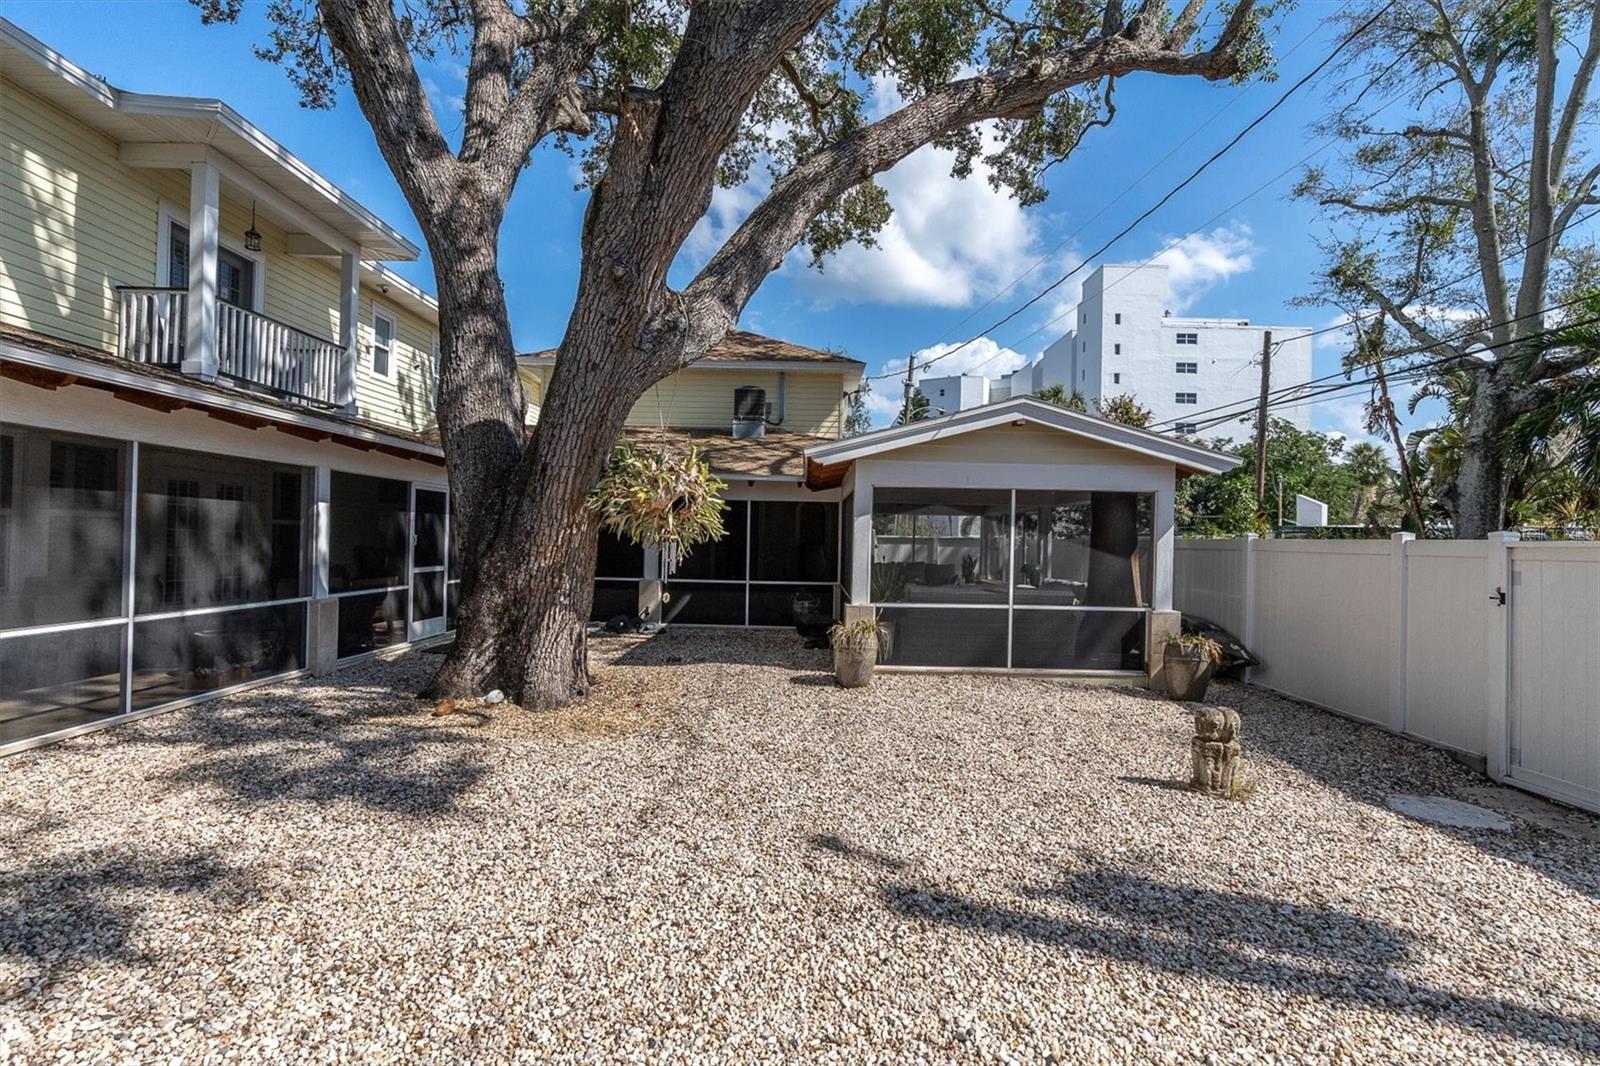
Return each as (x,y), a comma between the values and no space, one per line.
(382,343)
(1118,318)
(239,274)
(1185,429)
(1188,368)
(1188,338)
(1116,349)
(1186,397)
(1116,379)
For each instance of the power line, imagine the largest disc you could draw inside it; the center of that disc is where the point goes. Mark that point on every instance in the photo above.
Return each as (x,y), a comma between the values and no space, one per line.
(1409,373)
(1407,354)
(1386,359)
(1167,197)
(1134,184)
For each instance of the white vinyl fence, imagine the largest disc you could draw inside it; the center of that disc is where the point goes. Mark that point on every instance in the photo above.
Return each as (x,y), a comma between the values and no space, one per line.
(1413,636)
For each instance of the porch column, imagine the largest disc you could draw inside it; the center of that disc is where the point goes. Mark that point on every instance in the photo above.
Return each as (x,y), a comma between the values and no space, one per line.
(1163,538)
(349,331)
(200,316)
(858,527)
(324,609)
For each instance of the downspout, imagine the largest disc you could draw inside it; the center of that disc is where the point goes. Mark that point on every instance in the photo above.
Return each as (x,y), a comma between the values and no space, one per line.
(782,398)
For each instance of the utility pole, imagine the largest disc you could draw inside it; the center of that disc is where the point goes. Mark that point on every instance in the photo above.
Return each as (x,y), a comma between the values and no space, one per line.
(905,404)
(1261,420)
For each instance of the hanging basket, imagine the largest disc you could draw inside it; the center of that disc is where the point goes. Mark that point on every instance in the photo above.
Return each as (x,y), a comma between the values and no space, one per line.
(655,497)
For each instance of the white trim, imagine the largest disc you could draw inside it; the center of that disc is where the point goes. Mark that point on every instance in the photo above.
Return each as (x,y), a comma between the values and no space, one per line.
(1029,410)
(199,612)
(62,627)
(792,366)
(240,403)
(394,340)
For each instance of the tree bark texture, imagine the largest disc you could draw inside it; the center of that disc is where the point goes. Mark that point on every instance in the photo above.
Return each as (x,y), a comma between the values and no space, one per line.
(527,536)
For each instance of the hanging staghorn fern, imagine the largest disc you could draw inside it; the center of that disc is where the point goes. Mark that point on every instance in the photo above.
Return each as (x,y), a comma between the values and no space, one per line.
(653,497)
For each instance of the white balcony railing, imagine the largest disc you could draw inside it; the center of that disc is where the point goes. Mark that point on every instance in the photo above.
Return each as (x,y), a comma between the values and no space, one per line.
(252,350)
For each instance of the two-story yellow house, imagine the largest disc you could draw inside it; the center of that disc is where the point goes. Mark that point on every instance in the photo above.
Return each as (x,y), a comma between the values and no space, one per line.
(217,462)
(752,406)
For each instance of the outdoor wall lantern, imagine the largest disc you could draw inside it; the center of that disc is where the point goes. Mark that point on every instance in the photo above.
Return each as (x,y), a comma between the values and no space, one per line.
(252,236)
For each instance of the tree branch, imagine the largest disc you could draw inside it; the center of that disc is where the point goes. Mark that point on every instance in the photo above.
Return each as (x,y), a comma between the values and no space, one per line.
(1395,207)
(726,283)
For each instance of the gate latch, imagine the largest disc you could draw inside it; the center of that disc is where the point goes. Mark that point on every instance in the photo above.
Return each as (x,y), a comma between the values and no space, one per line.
(1499,597)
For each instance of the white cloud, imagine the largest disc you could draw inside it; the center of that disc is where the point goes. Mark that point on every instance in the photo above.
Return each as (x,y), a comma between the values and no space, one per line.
(1345,418)
(983,356)
(729,208)
(1200,261)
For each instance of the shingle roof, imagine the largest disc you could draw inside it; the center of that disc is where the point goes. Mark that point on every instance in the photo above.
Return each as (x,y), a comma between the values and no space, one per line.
(740,346)
(778,454)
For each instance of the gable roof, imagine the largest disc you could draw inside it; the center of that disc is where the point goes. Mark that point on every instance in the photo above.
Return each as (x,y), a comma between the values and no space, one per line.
(1189,458)
(739,347)
(153,129)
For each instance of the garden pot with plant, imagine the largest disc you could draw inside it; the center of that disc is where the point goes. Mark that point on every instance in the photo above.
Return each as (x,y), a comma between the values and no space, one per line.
(855,650)
(1188,661)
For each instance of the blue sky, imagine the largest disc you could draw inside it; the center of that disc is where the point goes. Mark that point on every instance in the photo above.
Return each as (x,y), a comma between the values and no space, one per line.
(952,246)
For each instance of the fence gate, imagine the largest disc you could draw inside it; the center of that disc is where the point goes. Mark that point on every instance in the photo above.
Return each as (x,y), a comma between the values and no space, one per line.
(1553,670)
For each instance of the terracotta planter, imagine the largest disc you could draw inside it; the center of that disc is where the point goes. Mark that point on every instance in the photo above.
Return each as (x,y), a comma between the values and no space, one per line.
(853,665)
(1188,673)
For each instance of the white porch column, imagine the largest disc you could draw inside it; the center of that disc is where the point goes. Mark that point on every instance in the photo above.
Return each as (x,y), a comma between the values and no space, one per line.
(349,332)
(323,611)
(200,321)
(1164,538)
(860,531)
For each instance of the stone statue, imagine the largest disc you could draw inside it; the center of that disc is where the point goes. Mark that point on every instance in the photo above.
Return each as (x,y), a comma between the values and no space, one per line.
(1218,769)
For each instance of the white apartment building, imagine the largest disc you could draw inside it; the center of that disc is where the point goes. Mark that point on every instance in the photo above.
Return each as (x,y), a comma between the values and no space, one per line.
(1124,339)
(956,392)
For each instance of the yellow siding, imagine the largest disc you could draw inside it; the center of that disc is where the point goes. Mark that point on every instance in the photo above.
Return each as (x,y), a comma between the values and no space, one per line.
(1020,444)
(703,399)
(406,397)
(75,223)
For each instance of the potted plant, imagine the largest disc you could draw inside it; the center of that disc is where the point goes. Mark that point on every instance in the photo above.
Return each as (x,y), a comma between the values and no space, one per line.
(855,650)
(1188,661)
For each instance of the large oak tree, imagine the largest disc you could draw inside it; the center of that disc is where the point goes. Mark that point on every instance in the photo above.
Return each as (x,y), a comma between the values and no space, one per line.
(666,100)
(1467,163)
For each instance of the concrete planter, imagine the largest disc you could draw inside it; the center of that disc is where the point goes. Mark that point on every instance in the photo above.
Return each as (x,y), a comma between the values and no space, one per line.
(853,664)
(1188,673)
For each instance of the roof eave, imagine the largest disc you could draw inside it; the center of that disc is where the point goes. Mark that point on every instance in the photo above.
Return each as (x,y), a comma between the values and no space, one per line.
(1186,456)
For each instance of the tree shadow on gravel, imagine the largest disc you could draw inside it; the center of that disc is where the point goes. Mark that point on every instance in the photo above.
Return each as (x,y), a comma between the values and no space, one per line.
(1370,764)
(1244,939)
(374,746)
(63,913)
(678,647)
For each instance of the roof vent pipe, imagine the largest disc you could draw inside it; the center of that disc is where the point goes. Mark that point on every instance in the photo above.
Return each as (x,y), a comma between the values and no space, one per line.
(783,382)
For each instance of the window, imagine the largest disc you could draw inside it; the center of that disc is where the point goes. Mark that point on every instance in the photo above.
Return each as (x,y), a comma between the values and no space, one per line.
(1185,429)
(1185,397)
(1116,349)
(1118,318)
(368,527)
(382,344)
(236,273)
(64,502)
(1116,379)
(216,531)
(1188,368)
(1188,338)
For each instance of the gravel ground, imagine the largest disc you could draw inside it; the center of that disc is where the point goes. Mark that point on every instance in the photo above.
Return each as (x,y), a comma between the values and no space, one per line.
(723,856)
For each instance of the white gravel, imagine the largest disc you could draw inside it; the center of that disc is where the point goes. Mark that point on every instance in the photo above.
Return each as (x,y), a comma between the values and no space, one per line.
(733,859)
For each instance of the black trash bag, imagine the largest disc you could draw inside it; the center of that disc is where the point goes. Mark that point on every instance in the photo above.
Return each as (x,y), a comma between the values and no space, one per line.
(1235,656)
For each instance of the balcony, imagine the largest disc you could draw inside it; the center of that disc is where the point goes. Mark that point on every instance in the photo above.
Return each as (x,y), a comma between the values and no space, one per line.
(254,352)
